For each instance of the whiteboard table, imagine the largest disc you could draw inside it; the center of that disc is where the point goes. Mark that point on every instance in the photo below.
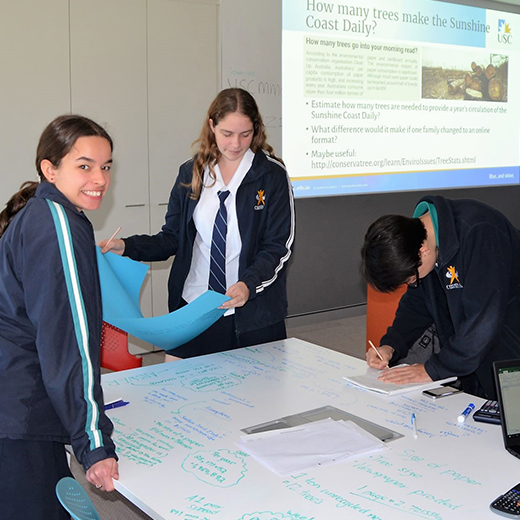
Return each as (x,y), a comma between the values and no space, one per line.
(178,459)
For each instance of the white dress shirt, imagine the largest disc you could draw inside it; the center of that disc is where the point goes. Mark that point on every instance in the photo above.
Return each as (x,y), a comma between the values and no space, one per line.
(204,217)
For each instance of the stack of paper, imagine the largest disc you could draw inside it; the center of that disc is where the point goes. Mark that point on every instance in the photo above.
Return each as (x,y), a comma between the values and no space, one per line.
(370,381)
(309,446)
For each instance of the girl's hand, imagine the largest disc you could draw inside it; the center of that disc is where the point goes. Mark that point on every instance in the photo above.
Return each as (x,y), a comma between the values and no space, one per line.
(239,294)
(101,474)
(116,245)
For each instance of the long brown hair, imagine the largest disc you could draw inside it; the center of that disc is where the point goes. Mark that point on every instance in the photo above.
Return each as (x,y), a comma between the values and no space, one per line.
(227,102)
(56,141)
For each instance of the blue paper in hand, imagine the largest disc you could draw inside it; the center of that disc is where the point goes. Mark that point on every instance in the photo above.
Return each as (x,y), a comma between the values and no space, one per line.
(121,280)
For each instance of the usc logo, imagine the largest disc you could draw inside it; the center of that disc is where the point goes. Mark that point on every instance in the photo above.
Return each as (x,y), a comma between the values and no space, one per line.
(504,32)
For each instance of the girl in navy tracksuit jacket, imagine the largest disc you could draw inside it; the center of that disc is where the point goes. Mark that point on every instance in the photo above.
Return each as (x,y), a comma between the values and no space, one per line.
(50,324)
(232,155)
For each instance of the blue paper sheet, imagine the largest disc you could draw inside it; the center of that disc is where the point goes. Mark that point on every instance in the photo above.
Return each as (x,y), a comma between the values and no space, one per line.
(121,280)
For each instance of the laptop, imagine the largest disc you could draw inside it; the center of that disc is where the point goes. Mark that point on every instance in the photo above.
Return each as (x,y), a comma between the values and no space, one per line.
(507,380)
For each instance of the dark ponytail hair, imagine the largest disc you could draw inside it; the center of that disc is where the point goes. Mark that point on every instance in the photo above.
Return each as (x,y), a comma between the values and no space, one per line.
(56,142)
(16,203)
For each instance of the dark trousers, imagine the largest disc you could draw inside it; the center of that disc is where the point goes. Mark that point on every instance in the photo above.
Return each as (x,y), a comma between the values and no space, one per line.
(222,336)
(29,472)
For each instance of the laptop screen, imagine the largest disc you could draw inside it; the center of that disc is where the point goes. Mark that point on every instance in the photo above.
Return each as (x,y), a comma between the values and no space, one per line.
(508,382)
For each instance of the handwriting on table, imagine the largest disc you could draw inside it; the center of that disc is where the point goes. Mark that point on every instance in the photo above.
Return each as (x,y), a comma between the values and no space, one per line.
(221,468)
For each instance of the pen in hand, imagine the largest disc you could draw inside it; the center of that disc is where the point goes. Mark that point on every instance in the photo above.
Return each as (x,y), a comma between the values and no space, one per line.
(377,352)
(111,238)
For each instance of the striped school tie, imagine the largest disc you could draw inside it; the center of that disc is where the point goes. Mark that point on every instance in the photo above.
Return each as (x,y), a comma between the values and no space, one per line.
(217,264)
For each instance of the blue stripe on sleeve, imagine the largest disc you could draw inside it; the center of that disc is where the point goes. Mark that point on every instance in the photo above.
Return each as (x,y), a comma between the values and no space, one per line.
(79,317)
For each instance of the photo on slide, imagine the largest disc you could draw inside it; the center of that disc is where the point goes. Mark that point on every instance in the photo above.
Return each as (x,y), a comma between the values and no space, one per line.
(464,76)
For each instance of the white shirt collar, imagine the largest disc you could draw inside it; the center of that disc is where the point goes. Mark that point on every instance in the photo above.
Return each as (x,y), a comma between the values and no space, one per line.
(238,177)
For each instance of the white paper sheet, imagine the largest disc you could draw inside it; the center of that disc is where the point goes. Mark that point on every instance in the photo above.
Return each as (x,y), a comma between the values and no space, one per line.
(370,381)
(307,447)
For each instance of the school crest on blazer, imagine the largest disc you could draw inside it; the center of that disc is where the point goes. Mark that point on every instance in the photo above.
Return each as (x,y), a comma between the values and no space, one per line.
(453,275)
(260,200)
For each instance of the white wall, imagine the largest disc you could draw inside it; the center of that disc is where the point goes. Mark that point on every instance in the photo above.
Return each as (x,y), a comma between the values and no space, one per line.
(252,57)
(145,69)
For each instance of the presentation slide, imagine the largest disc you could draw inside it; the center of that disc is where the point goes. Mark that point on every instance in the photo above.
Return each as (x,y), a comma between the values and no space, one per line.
(396,95)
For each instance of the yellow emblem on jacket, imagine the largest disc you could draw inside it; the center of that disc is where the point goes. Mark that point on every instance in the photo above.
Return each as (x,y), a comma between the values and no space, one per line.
(453,273)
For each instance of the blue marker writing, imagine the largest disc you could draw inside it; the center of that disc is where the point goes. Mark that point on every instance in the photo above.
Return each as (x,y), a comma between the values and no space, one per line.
(462,417)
